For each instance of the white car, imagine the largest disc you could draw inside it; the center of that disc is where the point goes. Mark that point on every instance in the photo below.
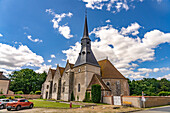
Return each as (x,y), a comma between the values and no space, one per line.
(3,103)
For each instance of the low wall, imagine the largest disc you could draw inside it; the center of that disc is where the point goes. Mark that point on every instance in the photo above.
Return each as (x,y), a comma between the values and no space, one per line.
(23,95)
(151,101)
(136,101)
(108,99)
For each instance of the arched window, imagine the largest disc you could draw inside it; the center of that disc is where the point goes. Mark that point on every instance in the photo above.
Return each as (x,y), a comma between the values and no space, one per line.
(78,87)
(55,87)
(47,86)
(64,87)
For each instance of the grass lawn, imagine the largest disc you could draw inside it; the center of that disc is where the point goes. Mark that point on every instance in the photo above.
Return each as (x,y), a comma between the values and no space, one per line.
(48,104)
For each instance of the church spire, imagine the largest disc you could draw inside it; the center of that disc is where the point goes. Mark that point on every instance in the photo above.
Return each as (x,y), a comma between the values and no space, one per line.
(85,34)
(86,55)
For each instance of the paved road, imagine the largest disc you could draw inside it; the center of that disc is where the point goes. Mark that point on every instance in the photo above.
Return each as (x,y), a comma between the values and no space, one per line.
(165,109)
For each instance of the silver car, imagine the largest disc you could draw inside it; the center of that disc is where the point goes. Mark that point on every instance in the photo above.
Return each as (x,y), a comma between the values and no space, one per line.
(3,103)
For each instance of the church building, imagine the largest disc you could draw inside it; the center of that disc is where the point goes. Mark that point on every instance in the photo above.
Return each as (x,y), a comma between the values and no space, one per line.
(79,77)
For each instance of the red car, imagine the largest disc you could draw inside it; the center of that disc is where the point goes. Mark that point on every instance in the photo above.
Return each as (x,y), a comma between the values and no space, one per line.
(19,104)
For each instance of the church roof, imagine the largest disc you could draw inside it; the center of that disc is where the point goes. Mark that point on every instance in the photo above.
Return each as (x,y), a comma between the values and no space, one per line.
(96,79)
(86,55)
(71,65)
(61,69)
(2,77)
(53,72)
(108,71)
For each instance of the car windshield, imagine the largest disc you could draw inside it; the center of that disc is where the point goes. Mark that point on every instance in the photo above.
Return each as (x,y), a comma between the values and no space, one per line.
(14,101)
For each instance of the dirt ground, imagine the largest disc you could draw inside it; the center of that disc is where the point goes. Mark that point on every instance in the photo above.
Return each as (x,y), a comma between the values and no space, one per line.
(94,109)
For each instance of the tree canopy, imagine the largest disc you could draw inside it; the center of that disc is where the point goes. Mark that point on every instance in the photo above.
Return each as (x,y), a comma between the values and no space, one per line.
(150,86)
(26,80)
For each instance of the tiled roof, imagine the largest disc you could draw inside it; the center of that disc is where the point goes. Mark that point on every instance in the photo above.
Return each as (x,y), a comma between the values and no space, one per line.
(2,77)
(61,69)
(109,71)
(71,65)
(96,79)
(53,72)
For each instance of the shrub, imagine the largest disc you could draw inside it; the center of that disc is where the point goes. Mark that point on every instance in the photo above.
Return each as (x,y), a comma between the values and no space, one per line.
(77,98)
(38,92)
(96,93)
(19,92)
(11,97)
(3,96)
(87,97)
(1,92)
(18,96)
(164,93)
(72,96)
(31,93)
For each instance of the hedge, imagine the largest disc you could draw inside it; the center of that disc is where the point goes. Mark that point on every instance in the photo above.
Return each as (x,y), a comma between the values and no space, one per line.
(96,93)
(38,92)
(19,92)
(164,93)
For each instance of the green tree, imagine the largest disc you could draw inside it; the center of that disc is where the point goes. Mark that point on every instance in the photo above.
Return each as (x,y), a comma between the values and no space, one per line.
(96,93)
(150,86)
(26,80)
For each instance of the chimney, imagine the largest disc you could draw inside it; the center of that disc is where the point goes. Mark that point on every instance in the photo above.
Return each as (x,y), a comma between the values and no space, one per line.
(1,73)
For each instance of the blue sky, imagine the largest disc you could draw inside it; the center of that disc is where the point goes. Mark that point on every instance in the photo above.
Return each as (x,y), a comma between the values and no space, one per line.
(133,34)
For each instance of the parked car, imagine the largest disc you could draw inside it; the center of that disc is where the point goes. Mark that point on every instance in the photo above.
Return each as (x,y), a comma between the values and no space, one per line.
(18,104)
(3,103)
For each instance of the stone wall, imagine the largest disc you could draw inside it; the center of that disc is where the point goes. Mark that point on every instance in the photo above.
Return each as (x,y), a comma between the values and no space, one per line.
(151,101)
(135,101)
(23,95)
(108,100)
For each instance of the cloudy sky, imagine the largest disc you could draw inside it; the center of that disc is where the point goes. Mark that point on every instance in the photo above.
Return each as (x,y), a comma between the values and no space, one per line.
(133,34)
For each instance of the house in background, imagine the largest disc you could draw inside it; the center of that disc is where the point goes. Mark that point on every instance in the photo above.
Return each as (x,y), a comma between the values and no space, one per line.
(4,84)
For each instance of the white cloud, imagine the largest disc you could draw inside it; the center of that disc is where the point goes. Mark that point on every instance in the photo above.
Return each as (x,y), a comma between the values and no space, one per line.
(53,56)
(111,5)
(145,70)
(1,35)
(165,76)
(108,21)
(132,29)
(12,58)
(49,60)
(43,68)
(125,49)
(155,69)
(63,29)
(34,40)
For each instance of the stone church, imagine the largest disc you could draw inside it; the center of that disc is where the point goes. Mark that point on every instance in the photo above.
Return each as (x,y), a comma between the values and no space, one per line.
(79,77)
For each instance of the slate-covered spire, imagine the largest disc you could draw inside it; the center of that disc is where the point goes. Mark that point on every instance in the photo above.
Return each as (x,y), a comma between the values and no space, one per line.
(86,55)
(85,34)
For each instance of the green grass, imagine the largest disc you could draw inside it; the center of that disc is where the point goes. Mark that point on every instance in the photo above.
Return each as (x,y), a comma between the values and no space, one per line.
(48,104)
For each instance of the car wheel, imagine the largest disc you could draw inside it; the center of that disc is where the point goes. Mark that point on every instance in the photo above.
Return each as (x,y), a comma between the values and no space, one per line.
(2,106)
(31,106)
(9,109)
(18,108)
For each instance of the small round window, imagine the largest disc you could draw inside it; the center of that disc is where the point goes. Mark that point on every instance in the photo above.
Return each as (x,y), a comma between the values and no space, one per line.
(108,84)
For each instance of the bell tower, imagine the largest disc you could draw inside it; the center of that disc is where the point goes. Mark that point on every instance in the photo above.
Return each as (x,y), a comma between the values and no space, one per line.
(85,67)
